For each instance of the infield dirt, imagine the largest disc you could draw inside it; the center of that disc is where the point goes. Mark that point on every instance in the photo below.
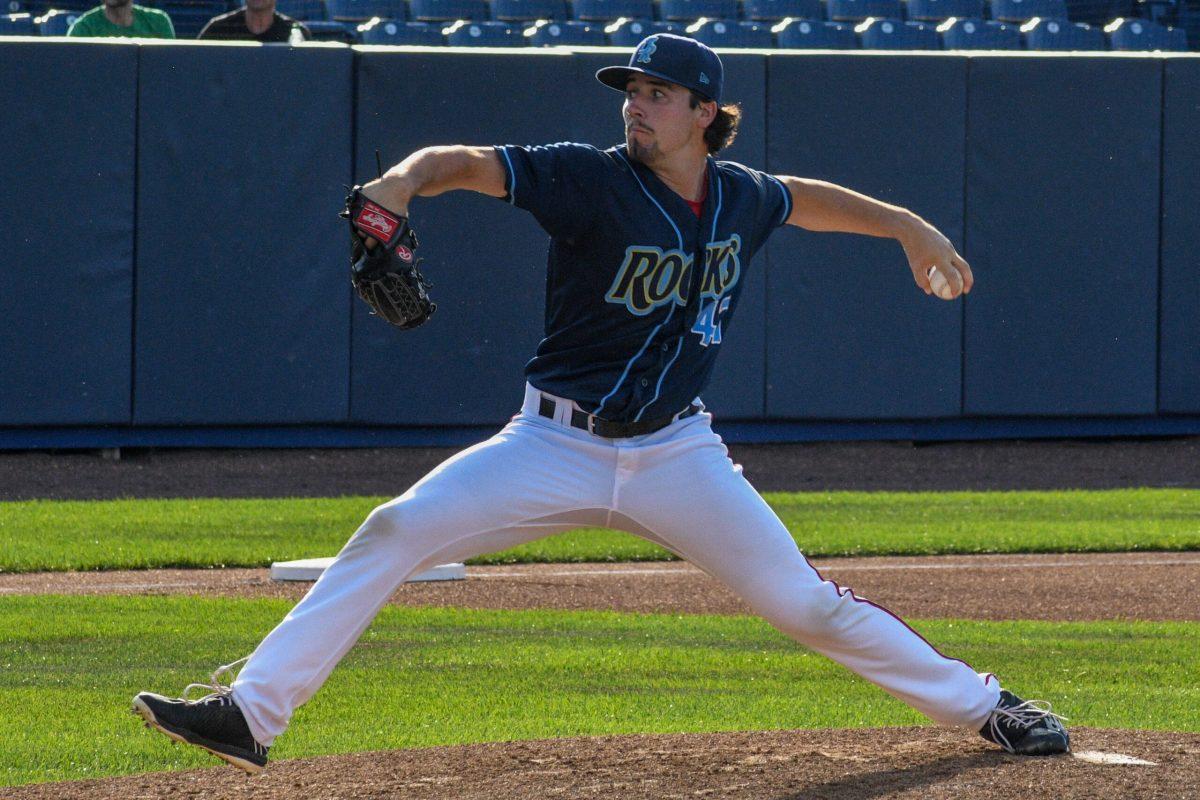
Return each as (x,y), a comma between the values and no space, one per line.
(1125,586)
(859,764)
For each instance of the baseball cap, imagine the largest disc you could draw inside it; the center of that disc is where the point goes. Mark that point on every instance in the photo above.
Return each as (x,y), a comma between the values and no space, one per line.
(677,59)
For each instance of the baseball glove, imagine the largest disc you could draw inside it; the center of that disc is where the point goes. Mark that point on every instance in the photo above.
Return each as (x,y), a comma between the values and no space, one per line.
(386,275)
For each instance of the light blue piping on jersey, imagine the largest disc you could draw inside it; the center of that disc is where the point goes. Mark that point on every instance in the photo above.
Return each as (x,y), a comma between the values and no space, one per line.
(717,214)
(636,356)
(670,312)
(512,191)
(787,199)
(645,191)
(679,347)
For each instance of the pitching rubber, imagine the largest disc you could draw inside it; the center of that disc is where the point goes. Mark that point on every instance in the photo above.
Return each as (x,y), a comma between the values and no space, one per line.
(144,711)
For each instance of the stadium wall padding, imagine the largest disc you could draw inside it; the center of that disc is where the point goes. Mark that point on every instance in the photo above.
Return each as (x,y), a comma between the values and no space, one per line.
(1062,228)
(199,277)
(1179,324)
(243,305)
(849,335)
(66,245)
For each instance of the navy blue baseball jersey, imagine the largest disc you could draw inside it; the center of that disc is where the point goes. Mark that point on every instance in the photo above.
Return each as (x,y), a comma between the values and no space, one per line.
(632,327)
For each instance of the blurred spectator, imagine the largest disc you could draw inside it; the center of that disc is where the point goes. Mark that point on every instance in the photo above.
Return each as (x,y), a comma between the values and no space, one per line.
(256,21)
(123,18)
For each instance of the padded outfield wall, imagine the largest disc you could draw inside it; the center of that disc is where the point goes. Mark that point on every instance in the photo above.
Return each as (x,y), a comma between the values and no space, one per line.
(172,271)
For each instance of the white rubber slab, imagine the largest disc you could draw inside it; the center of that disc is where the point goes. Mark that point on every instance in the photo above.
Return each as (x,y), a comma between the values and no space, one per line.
(309,569)
(1099,757)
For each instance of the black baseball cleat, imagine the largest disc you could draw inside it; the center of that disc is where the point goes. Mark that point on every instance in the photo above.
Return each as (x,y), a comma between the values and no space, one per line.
(1026,727)
(213,723)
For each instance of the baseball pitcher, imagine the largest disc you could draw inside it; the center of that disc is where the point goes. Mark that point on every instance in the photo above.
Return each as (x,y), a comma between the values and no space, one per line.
(650,245)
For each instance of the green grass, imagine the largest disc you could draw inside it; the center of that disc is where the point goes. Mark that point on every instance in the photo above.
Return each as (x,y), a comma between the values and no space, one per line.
(55,535)
(437,676)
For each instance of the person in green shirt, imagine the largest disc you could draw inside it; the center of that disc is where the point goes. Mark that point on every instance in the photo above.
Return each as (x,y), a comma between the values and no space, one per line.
(123,18)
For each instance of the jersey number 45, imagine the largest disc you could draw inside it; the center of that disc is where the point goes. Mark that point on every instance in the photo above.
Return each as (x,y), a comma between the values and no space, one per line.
(708,324)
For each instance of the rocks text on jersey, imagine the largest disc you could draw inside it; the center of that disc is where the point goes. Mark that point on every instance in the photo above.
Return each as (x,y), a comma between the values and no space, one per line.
(650,276)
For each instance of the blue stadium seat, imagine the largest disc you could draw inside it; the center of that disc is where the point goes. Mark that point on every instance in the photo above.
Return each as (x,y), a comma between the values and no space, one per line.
(302,9)
(732,33)
(395,32)
(1178,38)
(529,10)
(45,6)
(896,34)
(1189,22)
(1163,12)
(448,10)
(483,34)
(567,34)
(1054,34)
(56,22)
(1025,10)
(326,30)
(858,10)
(938,10)
(803,34)
(363,10)
(629,32)
(612,10)
(38,8)
(14,7)
(189,19)
(775,10)
(1098,12)
(1143,35)
(691,10)
(978,34)
(17,25)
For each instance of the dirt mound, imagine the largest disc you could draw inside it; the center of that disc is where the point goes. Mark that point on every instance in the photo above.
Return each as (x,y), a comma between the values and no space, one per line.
(925,763)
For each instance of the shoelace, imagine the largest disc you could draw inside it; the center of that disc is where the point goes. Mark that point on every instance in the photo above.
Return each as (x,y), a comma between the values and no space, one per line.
(215,687)
(222,694)
(1023,716)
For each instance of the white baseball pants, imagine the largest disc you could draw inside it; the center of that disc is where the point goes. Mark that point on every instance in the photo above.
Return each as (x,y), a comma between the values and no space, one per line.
(676,487)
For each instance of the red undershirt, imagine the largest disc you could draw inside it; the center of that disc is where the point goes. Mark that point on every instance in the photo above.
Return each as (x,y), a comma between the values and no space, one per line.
(698,205)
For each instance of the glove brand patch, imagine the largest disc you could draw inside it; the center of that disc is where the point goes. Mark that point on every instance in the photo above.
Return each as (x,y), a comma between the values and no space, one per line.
(375,221)
(404,253)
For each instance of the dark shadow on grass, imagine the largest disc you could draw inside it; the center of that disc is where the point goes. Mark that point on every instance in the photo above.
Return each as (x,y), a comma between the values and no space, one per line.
(889,781)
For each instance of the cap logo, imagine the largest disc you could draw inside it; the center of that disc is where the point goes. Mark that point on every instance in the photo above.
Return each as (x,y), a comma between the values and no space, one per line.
(647,50)
(703,78)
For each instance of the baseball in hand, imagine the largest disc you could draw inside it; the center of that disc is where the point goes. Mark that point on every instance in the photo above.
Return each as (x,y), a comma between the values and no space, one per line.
(939,283)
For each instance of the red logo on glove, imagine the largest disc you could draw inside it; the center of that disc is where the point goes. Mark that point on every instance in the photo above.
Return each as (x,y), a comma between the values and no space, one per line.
(377,222)
(405,254)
